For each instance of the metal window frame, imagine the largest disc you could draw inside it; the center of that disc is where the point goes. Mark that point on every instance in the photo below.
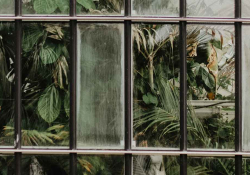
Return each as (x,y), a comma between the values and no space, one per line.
(128,20)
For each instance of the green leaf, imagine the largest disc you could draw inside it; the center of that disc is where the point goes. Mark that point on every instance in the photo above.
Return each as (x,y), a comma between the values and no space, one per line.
(50,52)
(66,104)
(45,6)
(88,4)
(150,99)
(49,104)
(63,5)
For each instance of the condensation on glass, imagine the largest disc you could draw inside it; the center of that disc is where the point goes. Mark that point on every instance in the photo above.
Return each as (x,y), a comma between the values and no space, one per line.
(46,7)
(156,105)
(100,86)
(156,164)
(245,87)
(210,8)
(210,165)
(100,7)
(100,164)
(7,84)
(45,164)
(245,5)
(155,8)
(7,164)
(45,85)
(211,86)
(7,7)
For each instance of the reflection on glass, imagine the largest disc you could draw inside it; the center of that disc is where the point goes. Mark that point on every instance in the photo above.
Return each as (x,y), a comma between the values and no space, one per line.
(7,165)
(245,87)
(210,8)
(210,165)
(46,7)
(156,164)
(100,94)
(245,8)
(7,7)
(7,76)
(211,86)
(155,7)
(100,164)
(156,70)
(45,89)
(100,7)
(45,165)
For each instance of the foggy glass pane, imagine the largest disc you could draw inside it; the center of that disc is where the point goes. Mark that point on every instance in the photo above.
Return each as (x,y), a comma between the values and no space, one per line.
(210,8)
(100,88)
(155,7)
(245,5)
(245,87)
(100,164)
(100,7)
(210,165)
(45,164)
(211,86)
(45,7)
(7,84)
(7,165)
(45,85)
(156,165)
(7,7)
(156,106)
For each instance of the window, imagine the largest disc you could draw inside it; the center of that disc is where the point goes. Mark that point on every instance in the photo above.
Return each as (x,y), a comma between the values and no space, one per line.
(124,87)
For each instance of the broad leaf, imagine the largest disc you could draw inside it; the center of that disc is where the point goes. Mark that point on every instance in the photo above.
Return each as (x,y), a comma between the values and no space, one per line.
(49,104)
(50,52)
(88,4)
(63,5)
(45,6)
(150,99)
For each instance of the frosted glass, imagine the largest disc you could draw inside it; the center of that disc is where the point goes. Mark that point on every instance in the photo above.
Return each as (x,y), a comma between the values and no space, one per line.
(100,91)
(245,87)
(7,7)
(210,8)
(155,7)
(245,8)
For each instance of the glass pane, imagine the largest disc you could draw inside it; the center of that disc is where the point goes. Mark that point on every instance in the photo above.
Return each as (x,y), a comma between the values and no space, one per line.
(7,7)
(45,90)
(7,165)
(100,7)
(245,8)
(100,94)
(155,7)
(245,166)
(156,164)
(210,8)
(100,164)
(45,165)
(7,88)
(211,86)
(45,7)
(210,165)
(156,71)
(245,87)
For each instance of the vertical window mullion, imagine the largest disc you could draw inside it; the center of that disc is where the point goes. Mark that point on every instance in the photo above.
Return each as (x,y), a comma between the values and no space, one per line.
(183,90)
(128,87)
(238,88)
(73,62)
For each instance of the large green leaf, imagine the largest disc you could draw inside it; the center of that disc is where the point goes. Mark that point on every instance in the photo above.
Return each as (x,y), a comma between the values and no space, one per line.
(88,4)
(207,78)
(63,5)
(45,6)
(50,52)
(49,104)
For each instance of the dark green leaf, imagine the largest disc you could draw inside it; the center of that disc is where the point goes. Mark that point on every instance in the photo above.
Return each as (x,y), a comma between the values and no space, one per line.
(45,6)
(88,4)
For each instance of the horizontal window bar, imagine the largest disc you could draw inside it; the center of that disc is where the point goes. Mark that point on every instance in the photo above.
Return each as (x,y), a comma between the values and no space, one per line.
(122,18)
(123,152)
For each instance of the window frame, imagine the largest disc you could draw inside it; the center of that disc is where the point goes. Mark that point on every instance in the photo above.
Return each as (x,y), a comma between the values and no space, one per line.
(128,20)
